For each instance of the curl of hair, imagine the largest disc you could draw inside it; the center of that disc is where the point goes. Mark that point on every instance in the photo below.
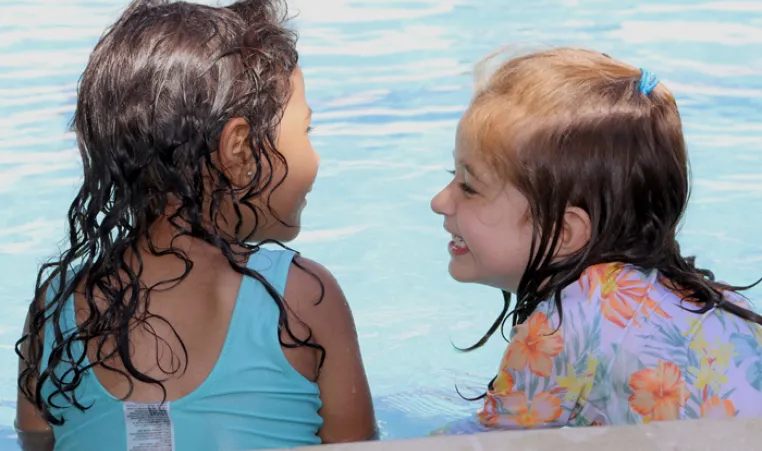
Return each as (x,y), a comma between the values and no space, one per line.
(158,89)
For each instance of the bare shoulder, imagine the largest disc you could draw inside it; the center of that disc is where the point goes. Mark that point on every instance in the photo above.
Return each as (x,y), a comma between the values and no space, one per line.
(307,275)
(314,293)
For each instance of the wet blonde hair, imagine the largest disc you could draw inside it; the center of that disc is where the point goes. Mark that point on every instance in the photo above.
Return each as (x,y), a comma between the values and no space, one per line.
(533,106)
(571,128)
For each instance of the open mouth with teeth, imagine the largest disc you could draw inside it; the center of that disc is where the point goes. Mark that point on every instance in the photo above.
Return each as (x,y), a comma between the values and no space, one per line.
(458,246)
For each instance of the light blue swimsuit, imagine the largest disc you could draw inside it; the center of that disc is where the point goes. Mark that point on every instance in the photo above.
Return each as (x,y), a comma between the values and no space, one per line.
(252,399)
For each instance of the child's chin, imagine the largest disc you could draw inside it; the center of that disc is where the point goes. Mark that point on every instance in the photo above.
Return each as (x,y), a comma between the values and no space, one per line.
(461,274)
(288,234)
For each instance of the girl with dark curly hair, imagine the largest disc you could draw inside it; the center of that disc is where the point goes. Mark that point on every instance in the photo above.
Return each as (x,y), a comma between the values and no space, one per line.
(165,324)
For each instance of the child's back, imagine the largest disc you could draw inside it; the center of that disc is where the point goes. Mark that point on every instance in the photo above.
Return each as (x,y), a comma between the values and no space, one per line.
(239,391)
(161,326)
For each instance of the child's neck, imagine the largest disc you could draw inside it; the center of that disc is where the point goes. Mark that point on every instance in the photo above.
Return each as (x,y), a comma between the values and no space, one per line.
(165,236)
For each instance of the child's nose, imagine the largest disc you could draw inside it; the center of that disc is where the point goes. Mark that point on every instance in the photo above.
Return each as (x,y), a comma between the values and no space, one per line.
(441,204)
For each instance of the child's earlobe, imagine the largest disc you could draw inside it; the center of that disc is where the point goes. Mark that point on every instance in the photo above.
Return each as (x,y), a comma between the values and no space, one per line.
(576,231)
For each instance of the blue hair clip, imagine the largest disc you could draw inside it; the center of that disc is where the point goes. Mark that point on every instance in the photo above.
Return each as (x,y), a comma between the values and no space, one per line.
(648,81)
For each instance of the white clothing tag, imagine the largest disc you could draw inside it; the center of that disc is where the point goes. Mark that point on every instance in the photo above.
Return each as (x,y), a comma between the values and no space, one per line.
(149,427)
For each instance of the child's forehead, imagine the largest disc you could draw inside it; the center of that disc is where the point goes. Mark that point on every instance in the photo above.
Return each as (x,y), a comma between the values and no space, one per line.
(466,130)
(480,146)
(470,140)
(474,163)
(478,125)
(464,151)
(466,139)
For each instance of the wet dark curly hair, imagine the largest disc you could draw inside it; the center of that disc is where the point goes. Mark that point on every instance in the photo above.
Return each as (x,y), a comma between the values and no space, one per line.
(158,89)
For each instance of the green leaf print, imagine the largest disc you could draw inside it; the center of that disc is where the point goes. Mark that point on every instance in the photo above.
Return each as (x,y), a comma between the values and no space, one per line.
(693,363)
(594,339)
(754,375)
(667,342)
(695,398)
(601,391)
(559,365)
(580,367)
(533,383)
(575,346)
(745,346)
(633,418)
(519,378)
(625,364)
(690,412)
(601,372)
(670,336)
(693,359)
(581,322)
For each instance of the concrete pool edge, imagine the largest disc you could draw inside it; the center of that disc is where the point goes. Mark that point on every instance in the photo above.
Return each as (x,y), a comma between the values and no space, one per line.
(693,435)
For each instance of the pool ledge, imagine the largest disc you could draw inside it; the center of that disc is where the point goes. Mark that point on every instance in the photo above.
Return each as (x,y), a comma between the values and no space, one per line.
(695,435)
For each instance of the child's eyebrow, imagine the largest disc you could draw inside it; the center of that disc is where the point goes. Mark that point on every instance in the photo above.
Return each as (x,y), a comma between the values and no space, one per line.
(468,168)
(309,114)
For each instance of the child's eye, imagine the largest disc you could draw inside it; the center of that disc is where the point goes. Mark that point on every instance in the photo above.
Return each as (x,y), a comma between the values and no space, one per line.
(467,190)
(310,129)
(465,187)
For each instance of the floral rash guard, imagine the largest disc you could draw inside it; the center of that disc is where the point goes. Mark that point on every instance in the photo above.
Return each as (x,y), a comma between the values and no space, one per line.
(628,351)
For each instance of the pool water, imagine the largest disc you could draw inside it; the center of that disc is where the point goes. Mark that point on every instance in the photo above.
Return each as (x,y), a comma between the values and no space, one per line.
(387,81)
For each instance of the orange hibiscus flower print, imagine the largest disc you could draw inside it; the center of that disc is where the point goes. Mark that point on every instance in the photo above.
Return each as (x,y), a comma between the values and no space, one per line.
(489,415)
(718,408)
(545,408)
(535,343)
(659,392)
(504,383)
(623,293)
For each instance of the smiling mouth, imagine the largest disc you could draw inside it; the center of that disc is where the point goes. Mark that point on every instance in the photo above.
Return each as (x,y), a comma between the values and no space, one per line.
(457,246)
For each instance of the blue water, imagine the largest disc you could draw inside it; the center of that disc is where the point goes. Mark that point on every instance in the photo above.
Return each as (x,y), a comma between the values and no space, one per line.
(387,81)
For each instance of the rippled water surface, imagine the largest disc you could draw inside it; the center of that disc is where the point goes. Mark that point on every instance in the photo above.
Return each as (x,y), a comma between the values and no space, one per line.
(387,81)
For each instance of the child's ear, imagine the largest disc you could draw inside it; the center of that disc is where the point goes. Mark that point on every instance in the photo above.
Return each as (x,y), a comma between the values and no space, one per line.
(235,151)
(576,232)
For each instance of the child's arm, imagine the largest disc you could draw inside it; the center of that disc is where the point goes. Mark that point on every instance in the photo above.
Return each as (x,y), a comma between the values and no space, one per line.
(347,406)
(546,375)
